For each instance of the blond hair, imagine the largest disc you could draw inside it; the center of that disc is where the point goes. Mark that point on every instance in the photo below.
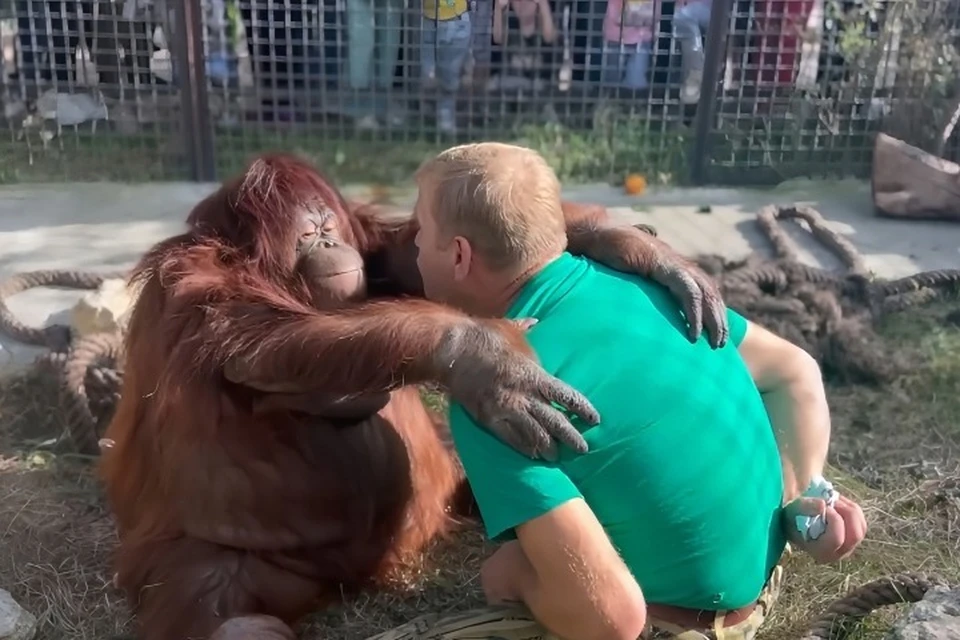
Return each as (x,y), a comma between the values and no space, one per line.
(503,198)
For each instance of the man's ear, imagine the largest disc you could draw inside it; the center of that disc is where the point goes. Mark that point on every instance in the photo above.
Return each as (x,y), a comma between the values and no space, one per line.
(463,258)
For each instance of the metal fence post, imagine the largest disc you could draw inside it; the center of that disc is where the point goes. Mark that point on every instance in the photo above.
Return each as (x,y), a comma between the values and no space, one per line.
(190,69)
(714,57)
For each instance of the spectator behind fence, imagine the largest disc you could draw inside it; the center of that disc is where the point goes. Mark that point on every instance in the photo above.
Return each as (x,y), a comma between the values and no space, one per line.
(628,35)
(529,44)
(481,12)
(445,46)
(690,19)
(373,25)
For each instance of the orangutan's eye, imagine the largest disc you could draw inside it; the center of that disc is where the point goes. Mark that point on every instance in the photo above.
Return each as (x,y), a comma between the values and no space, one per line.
(329,225)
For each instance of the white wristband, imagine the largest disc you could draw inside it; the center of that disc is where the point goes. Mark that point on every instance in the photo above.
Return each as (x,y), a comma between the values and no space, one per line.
(812,527)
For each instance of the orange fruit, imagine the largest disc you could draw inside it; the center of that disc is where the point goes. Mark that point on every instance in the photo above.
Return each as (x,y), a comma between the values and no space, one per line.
(635,184)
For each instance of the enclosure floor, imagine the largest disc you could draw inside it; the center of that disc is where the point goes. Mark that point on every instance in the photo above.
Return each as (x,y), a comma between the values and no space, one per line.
(104,226)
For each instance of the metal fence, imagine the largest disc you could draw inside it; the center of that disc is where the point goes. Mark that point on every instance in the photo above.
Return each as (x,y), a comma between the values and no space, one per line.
(723,91)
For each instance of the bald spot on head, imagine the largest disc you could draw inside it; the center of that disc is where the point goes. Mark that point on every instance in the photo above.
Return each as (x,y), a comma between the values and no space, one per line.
(505,199)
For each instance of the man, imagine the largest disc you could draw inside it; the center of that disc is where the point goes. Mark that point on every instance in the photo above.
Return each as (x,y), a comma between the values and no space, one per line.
(672,524)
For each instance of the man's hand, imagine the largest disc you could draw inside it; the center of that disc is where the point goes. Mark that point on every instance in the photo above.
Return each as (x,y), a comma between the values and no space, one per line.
(846,528)
(564,568)
(502,572)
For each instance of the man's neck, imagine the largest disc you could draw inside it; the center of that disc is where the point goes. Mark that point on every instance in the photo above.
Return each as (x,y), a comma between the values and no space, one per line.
(498,304)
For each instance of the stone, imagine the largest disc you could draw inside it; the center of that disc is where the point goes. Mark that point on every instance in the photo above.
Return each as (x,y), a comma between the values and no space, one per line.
(910,183)
(936,617)
(104,309)
(16,623)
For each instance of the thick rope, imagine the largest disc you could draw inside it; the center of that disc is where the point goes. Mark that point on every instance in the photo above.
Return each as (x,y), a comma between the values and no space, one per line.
(88,369)
(896,589)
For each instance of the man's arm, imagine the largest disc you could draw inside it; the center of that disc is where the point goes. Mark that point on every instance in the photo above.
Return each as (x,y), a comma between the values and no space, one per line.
(561,565)
(792,387)
(565,570)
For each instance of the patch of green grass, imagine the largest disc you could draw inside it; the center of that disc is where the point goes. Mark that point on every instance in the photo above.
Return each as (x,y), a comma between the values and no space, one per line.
(616,146)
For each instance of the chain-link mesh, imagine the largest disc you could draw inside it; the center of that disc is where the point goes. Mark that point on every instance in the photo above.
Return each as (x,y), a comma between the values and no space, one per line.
(809,83)
(87,92)
(148,89)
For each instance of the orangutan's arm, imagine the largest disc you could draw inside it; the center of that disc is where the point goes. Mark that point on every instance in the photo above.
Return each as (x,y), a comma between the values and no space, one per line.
(378,346)
(324,405)
(634,250)
(485,363)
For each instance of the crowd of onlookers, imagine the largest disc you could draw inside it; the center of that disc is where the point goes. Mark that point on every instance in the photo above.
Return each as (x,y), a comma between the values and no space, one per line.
(449,46)
(533,45)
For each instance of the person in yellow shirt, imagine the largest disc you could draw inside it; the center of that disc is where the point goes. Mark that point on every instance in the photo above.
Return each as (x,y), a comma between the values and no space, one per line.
(446,35)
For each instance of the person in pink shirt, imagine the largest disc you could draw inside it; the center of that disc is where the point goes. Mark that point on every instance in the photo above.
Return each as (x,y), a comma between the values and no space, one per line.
(628,30)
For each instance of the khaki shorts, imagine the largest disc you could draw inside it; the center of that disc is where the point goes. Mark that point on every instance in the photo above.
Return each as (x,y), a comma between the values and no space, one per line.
(514,623)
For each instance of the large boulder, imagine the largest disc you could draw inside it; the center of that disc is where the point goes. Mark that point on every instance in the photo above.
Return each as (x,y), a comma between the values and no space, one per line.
(910,183)
(936,617)
(16,623)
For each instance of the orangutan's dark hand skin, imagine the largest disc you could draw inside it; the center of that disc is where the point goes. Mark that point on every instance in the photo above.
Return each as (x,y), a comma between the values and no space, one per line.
(508,392)
(635,250)
(703,304)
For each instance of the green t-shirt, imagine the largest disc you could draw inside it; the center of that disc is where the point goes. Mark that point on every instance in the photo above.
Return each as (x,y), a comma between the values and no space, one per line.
(683,470)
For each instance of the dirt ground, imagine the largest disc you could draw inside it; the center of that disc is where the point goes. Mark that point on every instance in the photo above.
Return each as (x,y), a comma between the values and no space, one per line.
(895,450)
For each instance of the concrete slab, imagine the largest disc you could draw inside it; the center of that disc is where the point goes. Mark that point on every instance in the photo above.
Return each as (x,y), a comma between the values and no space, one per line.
(107,227)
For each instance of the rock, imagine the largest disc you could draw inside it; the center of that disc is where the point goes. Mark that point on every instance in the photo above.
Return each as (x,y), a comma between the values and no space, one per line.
(936,617)
(16,623)
(104,309)
(910,183)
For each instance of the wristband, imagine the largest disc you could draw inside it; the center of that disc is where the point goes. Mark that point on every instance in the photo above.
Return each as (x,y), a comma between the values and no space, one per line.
(812,527)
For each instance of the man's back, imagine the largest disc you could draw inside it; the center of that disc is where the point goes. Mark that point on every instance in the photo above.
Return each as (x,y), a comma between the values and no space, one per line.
(683,471)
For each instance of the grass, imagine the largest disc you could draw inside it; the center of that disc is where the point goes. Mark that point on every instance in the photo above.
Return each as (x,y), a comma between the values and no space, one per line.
(615,146)
(892,450)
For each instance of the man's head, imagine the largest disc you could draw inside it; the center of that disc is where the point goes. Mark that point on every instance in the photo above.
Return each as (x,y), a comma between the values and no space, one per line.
(489,216)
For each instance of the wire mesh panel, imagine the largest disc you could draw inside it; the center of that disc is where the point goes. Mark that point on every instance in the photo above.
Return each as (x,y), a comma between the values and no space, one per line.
(728,90)
(370,87)
(807,84)
(88,91)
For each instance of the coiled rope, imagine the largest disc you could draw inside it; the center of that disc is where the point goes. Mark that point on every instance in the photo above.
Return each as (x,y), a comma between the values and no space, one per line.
(88,369)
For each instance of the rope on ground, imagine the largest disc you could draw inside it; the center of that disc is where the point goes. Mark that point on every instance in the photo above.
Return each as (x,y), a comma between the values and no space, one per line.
(896,589)
(88,369)
(830,314)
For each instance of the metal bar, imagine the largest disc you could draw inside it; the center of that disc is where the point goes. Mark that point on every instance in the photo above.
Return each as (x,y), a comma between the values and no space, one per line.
(706,109)
(191,67)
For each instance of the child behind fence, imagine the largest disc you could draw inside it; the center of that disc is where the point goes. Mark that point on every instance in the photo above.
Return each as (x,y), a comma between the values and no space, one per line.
(628,30)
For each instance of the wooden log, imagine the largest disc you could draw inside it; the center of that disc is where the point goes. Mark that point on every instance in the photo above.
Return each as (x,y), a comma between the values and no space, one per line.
(910,183)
